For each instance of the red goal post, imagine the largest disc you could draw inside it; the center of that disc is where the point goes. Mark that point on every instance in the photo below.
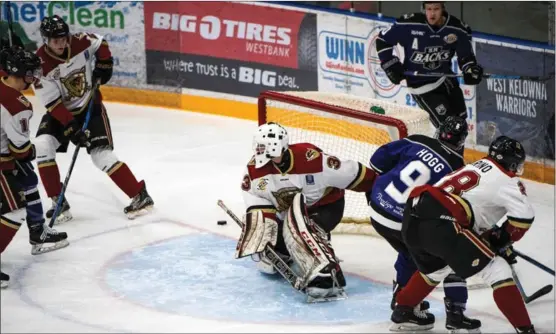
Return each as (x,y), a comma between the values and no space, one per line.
(343,125)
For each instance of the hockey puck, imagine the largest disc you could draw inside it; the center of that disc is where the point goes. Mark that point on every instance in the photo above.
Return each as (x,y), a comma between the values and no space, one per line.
(222,222)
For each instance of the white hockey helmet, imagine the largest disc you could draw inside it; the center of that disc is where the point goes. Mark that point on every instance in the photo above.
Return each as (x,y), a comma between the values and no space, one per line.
(270,141)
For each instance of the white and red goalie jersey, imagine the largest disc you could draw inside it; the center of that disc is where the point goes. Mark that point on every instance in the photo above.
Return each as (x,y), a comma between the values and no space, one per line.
(66,85)
(16,112)
(491,193)
(322,178)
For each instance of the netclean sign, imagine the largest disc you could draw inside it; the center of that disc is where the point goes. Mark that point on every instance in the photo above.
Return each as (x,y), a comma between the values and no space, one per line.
(86,14)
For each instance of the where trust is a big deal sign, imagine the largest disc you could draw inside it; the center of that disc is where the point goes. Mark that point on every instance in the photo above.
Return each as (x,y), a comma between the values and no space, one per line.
(230,47)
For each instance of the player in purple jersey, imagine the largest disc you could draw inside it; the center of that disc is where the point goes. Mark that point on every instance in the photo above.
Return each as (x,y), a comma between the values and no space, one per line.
(430,39)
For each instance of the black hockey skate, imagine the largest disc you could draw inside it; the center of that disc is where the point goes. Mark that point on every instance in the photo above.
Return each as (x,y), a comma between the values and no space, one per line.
(64,215)
(410,319)
(525,330)
(396,288)
(456,321)
(44,239)
(141,204)
(328,285)
(4,280)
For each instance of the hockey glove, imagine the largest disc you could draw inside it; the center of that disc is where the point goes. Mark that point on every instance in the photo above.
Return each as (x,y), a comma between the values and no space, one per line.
(394,70)
(77,136)
(508,254)
(472,74)
(103,70)
(498,238)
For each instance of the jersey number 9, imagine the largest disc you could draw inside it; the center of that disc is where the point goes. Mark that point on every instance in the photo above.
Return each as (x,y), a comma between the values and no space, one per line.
(415,166)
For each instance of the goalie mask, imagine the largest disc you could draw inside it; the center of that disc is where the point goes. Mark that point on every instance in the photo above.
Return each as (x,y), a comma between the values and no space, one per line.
(270,141)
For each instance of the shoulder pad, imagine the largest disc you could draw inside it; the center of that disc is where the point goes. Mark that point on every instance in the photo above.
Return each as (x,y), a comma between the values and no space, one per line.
(15,102)
(79,43)
(418,138)
(458,24)
(302,147)
(48,63)
(412,18)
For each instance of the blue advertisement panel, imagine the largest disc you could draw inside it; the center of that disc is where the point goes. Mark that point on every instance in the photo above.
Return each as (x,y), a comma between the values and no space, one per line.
(521,109)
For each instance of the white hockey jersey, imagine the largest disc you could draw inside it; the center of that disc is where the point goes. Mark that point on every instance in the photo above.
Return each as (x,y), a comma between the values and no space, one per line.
(67,82)
(322,178)
(15,112)
(492,193)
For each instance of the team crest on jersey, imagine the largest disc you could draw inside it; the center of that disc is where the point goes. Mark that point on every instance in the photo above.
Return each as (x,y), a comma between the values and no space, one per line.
(312,154)
(76,83)
(284,197)
(333,162)
(451,38)
(262,185)
(246,183)
(24,101)
(475,263)
(432,57)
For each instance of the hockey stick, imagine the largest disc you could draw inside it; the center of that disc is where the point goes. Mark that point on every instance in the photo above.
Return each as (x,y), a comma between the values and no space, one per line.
(537,294)
(534,262)
(486,75)
(73,159)
(277,262)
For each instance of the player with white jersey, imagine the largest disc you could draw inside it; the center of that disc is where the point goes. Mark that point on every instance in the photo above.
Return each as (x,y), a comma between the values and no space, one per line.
(18,182)
(274,176)
(453,226)
(71,65)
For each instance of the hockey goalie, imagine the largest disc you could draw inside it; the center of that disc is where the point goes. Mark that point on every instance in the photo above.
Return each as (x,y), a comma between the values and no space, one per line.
(294,196)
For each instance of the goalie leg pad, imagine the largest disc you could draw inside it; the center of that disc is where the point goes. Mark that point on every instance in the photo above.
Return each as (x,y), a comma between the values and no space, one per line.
(257,232)
(309,248)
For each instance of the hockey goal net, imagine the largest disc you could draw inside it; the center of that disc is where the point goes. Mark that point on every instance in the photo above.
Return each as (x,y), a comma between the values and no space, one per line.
(343,125)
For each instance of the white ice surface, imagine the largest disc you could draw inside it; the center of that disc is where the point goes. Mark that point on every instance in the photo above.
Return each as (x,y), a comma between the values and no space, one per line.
(189,161)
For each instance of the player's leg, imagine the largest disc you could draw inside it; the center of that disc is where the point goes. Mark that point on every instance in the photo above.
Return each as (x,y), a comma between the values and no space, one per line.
(42,238)
(49,140)
(12,213)
(265,265)
(404,265)
(437,239)
(307,243)
(474,257)
(439,103)
(328,216)
(102,154)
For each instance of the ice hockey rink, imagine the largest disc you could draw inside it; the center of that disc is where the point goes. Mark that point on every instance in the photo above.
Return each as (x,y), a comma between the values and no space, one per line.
(174,270)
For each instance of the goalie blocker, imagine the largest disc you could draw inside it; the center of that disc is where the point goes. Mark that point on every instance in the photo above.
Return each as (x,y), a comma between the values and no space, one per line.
(307,244)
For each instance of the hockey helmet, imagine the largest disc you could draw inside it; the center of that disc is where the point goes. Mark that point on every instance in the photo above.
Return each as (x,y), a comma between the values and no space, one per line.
(18,62)
(509,153)
(53,27)
(453,132)
(270,141)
